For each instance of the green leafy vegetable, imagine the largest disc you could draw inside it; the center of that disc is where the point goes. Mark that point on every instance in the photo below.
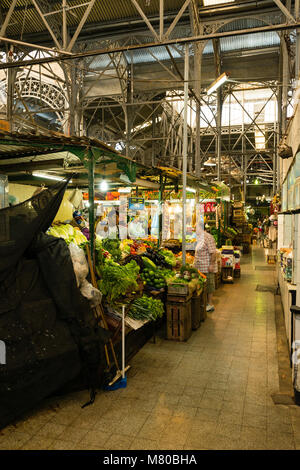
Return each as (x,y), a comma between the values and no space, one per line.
(113,247)
(146,308)
(117,280)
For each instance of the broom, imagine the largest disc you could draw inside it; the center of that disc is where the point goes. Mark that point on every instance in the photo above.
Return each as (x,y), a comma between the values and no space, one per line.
(100,315)
(122,383)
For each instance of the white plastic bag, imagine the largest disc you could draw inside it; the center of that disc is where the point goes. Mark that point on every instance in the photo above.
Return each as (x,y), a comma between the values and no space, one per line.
(91,293)
(80,264)
(81,269)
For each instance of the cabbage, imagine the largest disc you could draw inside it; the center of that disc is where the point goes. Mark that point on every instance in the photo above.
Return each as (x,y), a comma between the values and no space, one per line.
(79,238)
(52,231)
(63,232)
(98,242)
(68,233)
(70,229)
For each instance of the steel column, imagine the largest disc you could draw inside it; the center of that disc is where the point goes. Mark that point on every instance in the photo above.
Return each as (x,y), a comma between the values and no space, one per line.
(91,180)
(185,150)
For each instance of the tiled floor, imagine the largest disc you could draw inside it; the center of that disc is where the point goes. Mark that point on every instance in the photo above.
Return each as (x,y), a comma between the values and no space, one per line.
(212,392)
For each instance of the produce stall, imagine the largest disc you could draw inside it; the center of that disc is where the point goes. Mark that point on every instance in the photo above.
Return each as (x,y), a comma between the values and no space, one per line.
(140,273)
(140,276)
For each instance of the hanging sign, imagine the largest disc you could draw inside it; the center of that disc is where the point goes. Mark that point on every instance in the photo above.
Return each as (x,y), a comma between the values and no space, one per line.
(136,203)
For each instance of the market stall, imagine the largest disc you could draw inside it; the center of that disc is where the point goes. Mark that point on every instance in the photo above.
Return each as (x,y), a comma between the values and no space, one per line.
(135,272)
(121,246)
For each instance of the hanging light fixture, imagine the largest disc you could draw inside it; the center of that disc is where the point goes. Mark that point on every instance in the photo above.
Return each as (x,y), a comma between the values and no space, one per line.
(217,83)
(103,186)
(48,176)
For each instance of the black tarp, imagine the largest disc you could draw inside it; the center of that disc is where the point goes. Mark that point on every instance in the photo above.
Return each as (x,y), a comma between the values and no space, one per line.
(48,328)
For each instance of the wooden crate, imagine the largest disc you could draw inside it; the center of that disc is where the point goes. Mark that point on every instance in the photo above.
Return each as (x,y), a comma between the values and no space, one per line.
(203,313)
(226,273)
(217,279)
(178,289)
(196,311)
(199,303)
(179,318)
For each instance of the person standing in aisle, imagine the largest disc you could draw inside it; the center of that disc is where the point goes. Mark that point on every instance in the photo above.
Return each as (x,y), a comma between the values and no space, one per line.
(206,262)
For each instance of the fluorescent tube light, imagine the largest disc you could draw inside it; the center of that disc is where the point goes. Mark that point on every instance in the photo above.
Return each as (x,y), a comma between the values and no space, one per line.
(209,3)
(48,177)
(217,83)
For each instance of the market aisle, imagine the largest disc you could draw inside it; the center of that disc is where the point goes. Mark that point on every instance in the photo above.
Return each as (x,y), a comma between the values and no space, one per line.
(213,392)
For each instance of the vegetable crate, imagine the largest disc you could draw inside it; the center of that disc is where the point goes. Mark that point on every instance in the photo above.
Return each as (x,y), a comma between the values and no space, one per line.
(198,309)
(179,318)
(178,289)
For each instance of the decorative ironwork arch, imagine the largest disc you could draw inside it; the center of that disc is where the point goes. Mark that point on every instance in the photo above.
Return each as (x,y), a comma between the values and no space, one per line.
(50,94)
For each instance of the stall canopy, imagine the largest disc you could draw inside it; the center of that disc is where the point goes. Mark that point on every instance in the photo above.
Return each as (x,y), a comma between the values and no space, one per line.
(25,158)
(22,156)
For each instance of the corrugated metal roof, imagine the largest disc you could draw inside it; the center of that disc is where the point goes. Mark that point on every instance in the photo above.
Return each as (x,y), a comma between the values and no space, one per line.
(151,55)
(26,18)
(245,23)
(247,41)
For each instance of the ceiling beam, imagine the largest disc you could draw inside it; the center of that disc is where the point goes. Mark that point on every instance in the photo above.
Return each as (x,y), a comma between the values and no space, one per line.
(80,26)
(31,46)
(141,12)
(161,19)
(46,24)
(177,18)
(285,11)
(8,17)
(186,40)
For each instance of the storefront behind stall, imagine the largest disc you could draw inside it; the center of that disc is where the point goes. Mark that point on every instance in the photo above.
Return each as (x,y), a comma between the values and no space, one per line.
(288,246)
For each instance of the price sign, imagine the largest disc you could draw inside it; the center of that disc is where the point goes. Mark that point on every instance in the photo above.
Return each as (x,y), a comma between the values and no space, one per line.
(136,203)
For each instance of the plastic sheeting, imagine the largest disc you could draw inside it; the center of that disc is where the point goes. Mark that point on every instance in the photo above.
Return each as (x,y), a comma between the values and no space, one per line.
(48,328)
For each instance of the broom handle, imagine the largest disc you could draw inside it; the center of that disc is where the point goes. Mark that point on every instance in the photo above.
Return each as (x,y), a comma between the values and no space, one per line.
(123,341)
(99,308)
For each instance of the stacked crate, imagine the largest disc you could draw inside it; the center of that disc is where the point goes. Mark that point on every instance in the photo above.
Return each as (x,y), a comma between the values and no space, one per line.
(179,317)
(199,301)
